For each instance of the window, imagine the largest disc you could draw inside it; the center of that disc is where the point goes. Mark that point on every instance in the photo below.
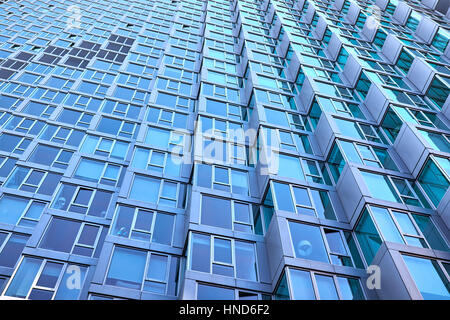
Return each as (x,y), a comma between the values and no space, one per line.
(82,200)
(222,178)
(435,178)
(223,256)
(11,247)
(154,160)
(65,136)
(51,156)
(285,140)
(76,118)
(33,180)
(429,276)
(228,214)
(145,271)
(307,285)
(308,243)
(145,225)
(43,279)
(13,143)
(306,201)
(166,139)
(104,147)
(393,189)
(21,211)
(402,227)
(73,237)
(158,191)
(99,172)
(121,109)
(117,127)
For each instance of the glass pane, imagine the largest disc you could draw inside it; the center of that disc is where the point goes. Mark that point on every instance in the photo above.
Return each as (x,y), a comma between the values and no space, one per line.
(386,225)
(308,243)
(429,278)
(205,292)
(326,287)
(350,289)
(245,260)
(301,285)
(126,268)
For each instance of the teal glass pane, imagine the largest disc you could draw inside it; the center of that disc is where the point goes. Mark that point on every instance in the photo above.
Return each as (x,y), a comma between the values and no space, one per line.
(428,277)
(430,232)
(438,92)
(282,291)
(350,289)
(433,182)
(436,141)
(368,237)
(336,163)
(351,243)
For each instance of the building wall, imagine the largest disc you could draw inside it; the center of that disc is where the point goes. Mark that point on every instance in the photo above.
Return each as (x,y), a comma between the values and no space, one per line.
(224,149)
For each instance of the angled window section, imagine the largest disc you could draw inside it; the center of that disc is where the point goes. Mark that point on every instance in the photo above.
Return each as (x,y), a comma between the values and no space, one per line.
(340,107)
(405,60)
(430,277)
(82,200)
(143,270)
(441,39)
(223,256)
(73,237)
(435,178)
(393,189)
(51,156)
(44,279)
(307,285)
(360,154)
(99,172)
(438,141)
(285,140)
(20,211)
(158,191)
(439,91)
(321,244)
(363,85)
(359,130)
(144,225)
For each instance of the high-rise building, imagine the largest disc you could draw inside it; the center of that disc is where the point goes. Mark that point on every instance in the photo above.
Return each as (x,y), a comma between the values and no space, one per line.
(224,149)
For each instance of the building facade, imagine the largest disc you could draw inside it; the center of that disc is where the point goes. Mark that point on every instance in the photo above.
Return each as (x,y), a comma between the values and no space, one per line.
(187,149)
